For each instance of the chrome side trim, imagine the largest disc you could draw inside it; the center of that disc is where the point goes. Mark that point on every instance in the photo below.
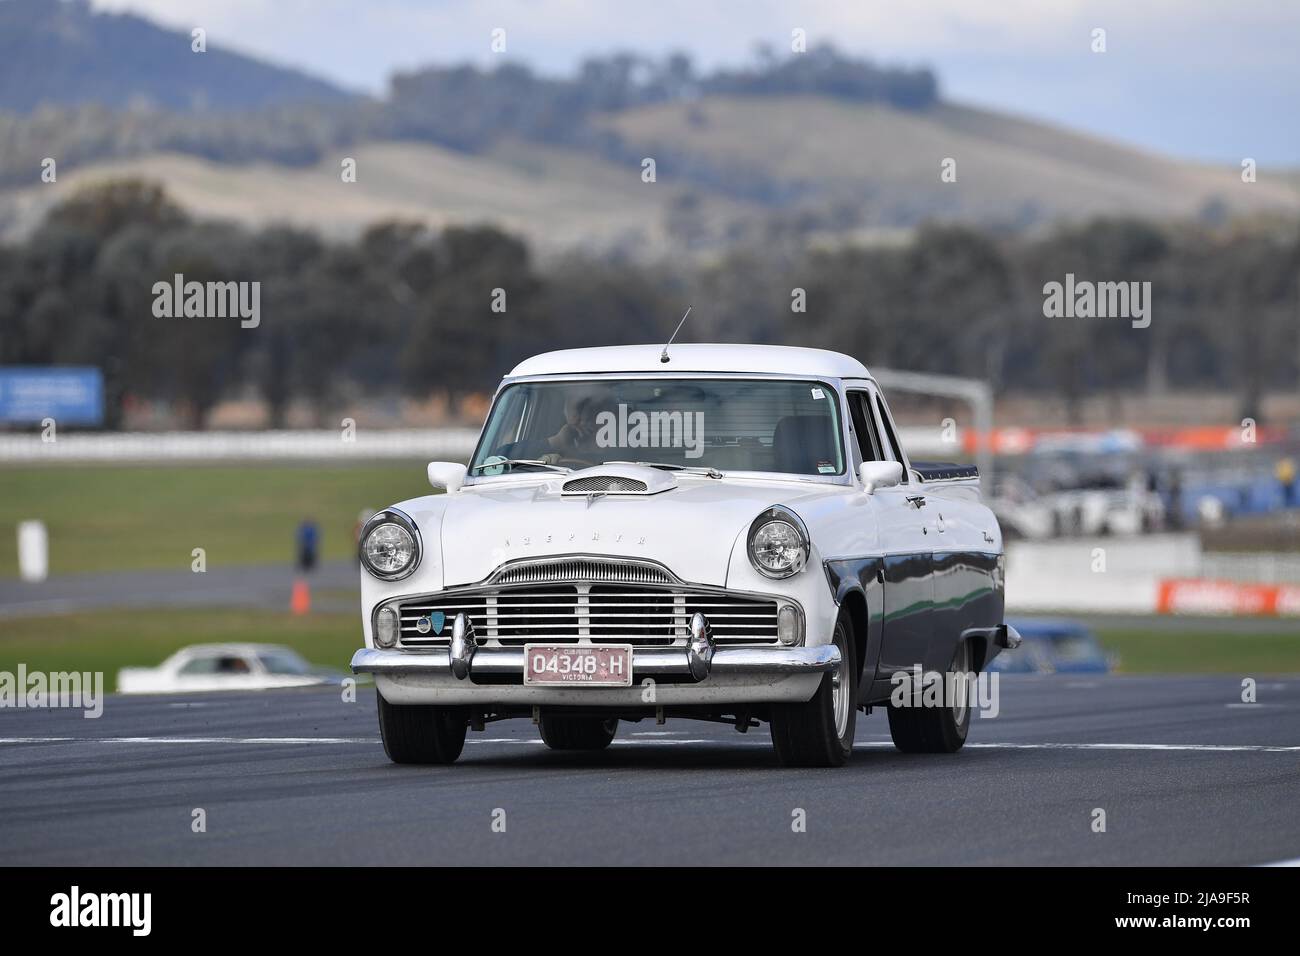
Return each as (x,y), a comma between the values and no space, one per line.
(1002,635)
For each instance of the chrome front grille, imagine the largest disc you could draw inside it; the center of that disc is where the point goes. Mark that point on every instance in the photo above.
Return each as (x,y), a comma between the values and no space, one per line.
(591,612)
(589,570)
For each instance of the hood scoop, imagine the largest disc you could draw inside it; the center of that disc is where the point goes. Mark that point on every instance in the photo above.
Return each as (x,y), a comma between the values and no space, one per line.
(617,480)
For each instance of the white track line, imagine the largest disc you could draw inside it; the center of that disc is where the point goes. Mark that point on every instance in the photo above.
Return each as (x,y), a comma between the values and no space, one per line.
(190,740)
(1208,748)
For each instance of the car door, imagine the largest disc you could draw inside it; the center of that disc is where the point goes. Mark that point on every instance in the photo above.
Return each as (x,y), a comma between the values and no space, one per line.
(906,528)
(903,538)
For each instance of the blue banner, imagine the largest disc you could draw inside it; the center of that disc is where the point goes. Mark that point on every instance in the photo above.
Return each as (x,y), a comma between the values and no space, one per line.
(69,395)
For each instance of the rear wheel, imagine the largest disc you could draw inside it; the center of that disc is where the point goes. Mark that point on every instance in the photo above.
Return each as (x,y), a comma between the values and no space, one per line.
(566,732)
(421,733)
(819,733)
(936,730)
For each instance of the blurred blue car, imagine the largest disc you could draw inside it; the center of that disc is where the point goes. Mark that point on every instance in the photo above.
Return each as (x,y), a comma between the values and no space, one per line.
(1053,646)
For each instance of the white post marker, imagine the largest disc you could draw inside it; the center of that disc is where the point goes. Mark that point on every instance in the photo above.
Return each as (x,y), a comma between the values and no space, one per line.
(33,551)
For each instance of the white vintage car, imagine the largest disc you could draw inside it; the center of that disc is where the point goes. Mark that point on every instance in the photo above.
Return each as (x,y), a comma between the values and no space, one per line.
(722,532)
(212,667)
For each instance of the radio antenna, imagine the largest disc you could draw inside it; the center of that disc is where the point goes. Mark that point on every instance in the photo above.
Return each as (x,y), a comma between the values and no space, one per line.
(663,356)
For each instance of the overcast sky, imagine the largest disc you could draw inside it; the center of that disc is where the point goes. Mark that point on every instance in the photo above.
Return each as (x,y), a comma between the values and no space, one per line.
(1199,79)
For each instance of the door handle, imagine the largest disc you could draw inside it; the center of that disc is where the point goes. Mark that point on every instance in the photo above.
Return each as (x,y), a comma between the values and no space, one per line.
(918,500)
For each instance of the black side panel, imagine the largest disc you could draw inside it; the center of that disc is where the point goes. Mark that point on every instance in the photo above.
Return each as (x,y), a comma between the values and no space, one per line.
(943,470)
(909,607)
(968,593)
(866,576)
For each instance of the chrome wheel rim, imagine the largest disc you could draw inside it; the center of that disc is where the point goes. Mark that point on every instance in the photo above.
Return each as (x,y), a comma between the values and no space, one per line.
(961,688)
(840,687)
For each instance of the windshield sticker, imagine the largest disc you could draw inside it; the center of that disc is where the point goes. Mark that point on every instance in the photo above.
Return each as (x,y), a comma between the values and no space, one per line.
(818,393)
(825,468)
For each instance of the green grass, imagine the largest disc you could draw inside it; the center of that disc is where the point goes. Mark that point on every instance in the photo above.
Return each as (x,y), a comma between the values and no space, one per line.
(123,517)
(1202,652)
(106,641)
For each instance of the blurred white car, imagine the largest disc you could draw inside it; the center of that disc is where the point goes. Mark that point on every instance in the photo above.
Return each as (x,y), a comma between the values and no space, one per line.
(209,667)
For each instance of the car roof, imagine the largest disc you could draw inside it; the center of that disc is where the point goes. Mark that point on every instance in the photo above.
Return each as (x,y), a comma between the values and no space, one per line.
(760,359)
(234,649)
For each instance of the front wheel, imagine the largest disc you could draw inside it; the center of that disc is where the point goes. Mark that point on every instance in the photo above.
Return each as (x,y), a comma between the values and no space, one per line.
(819,733)
(566,732)
(936,730)
(421,733)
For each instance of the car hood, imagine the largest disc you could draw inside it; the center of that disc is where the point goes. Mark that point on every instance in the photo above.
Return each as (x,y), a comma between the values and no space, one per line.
(690,528)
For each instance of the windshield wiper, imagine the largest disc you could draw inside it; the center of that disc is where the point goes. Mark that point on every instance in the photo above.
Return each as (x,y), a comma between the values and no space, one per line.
(692,469)
(520,461)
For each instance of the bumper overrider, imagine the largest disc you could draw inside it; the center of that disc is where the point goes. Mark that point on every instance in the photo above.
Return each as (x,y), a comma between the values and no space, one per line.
(717,673)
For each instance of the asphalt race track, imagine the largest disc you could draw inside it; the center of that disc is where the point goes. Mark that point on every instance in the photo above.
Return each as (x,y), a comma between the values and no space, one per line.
(1185,773)
(265,586)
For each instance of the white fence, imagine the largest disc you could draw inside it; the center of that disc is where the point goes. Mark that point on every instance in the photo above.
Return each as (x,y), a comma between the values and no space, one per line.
(1263,568)
(364,445)
(1125,575)
(1119,575)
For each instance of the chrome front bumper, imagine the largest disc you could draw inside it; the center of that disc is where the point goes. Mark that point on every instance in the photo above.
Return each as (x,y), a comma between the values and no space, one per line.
(498,662)
(697,661)
(699,673)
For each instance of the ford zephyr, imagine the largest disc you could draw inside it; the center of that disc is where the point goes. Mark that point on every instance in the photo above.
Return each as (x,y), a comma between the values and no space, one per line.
(730,533)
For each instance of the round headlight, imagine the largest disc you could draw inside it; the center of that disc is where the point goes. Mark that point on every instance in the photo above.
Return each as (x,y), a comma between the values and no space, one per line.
(390,546)
(778,544)
(388,549)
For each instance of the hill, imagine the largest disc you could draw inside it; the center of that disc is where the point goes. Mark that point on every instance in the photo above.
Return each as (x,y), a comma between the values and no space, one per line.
(729,167)
(61,52)
(556,198)
(881,165)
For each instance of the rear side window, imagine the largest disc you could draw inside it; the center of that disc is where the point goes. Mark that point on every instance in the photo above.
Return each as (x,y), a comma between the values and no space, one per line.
(200,665)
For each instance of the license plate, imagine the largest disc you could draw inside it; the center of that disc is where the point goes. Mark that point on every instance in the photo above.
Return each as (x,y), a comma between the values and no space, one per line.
(578,665)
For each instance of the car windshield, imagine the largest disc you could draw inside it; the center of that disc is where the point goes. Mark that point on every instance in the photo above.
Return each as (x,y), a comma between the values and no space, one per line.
(789,427)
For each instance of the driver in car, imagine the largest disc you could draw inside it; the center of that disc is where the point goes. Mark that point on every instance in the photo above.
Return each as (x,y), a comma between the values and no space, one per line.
(576,439)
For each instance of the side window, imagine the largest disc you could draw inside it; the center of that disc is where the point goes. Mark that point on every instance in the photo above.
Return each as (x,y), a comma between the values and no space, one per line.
(233,665)
(864,429)
(199,665)
(894,451)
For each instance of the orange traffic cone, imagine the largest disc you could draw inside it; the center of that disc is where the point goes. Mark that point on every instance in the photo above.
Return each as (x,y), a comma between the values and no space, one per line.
(300,602)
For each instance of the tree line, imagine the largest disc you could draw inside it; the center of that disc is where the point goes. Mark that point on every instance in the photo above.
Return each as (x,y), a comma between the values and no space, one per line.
(406,311)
